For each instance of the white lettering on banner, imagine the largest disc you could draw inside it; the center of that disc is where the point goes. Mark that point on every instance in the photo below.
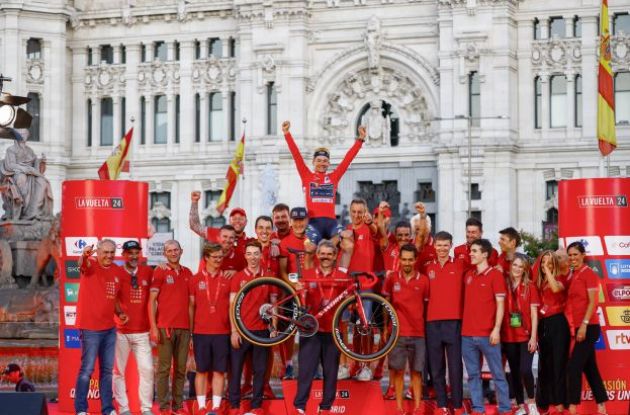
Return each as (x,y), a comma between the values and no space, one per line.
(96,202)
(602,201)
(76,244)
(618,339)
(618,245)
(592,244)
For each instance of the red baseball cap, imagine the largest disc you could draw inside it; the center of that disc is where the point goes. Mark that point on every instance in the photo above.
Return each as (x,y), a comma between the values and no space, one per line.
(238,211)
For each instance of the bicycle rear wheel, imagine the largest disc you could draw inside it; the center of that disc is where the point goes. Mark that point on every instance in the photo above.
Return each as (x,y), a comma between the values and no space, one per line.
(368,342)
(254,313)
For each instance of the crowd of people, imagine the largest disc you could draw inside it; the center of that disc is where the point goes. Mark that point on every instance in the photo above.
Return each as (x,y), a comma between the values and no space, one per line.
(457,307)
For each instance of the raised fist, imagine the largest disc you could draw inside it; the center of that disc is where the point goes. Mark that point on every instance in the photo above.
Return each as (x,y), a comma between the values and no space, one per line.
(362,133)
(195,196)
(420,208)
(286,126)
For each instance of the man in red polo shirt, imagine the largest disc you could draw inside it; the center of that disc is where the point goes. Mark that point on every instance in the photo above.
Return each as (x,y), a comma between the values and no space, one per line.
(391,250)
(509,240)
(408,290)
(170,325)
(444,323)
(474,231)
(133,337)
(100,282)
(423,239)
(209,311)
(484,303)
(280,216)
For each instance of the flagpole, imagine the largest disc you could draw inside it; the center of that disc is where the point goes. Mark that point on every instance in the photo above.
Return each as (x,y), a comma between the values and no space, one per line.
(241,182)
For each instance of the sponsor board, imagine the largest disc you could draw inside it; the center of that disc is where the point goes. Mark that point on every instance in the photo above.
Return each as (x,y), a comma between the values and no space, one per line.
(618,292)
(592,244)
(71,339)
(154,251)
(618,339)
(602,201)
(76,244)
(596,266)
(618,269)
(98,202)
(72,269)
(70,315)
(119,243)
(618,315)
(618,245)
(600,344)
(71,291)
(600,316)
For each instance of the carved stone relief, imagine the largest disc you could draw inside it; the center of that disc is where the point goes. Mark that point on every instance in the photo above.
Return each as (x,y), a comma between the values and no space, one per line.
(104,80)
(158,76)
(620,48)
(556,55)
(214,74)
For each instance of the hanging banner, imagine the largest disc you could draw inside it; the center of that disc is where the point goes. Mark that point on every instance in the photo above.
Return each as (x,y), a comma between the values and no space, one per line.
(92,210)
(596,212)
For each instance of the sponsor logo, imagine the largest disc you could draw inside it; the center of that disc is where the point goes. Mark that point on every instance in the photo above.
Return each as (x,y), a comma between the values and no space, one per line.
(618,339)
(618,292)
(96,202)
(119,243)
(602,201)
(618,315)
(341,394)
(72,269)
(71,339)
(618,245)
(600,316)
(71,290)
(75,245)
(592,244)
(70,314)
(600,344)
(596,266)
(618,269)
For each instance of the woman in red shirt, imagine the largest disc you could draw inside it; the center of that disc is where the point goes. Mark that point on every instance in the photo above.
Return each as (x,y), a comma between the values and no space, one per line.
(582,303)
(553,334)
(519,331)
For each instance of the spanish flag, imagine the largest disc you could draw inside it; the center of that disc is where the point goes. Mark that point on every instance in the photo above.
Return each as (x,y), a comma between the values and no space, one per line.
(235,168)
(117,162)
(605,90)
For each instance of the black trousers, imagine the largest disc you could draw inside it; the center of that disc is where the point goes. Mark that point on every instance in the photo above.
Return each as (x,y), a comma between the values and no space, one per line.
(444,336)
(259,366)
(314,350)
(583,360)
(520,361)
(553,345)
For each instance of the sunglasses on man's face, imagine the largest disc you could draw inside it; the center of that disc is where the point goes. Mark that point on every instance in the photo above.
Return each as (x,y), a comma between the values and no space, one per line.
(134,281)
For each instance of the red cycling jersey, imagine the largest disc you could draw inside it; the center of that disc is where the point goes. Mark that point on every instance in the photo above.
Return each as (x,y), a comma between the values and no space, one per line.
(320,188)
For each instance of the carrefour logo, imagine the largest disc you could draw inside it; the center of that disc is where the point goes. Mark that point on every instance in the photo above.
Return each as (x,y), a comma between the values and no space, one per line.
(618,245)
(76,244)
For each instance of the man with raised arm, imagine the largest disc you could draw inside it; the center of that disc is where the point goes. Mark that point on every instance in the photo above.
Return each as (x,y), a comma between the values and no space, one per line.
(320,186)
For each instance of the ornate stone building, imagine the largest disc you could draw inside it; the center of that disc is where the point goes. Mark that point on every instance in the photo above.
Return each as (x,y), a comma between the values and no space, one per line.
(515,79)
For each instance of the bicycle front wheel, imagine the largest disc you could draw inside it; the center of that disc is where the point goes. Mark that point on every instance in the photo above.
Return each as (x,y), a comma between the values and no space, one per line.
(367,341)
(262,305)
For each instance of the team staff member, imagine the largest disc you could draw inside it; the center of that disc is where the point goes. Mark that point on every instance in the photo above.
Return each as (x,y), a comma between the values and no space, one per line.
(508,241)
(170,325)
(391,250)
(133,337)
(320,187)
(408,290)
(474,231)
(280,216)
(553,332)
(13,373)
(444,323)
(582,302)
(209,313)
(484,303)
(240,347)
(100,282)
(321,348)
(519,332)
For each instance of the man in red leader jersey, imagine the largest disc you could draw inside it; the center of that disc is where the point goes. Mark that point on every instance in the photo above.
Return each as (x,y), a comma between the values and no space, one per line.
(170,325)
(509,240)
(444,323)
(133,337)
(100,282)
(408,291)
(320,187)
(209,312)
(474,231)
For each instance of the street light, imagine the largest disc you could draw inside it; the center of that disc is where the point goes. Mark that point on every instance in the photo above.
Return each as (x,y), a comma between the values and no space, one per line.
(469,120)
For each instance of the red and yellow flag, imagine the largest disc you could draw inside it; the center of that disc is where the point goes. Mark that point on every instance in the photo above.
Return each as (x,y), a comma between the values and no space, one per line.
(605,90)
(117,161)
(235,168)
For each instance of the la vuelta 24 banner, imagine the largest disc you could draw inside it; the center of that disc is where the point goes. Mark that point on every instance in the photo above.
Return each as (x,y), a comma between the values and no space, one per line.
(596,212)
(92,210)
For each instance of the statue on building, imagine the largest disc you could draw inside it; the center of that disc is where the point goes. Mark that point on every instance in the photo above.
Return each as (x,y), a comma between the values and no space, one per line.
(26,192)
(372,41)
(378,126)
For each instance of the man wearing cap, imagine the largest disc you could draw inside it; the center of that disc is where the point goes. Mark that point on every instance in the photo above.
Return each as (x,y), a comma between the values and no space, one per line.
(133,337)
(320,187)
(13,373)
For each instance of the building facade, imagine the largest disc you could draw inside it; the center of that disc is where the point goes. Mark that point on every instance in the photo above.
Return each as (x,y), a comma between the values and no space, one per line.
(492,100)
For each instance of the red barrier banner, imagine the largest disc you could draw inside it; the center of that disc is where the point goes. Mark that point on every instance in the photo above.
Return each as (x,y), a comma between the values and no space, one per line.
(596,212)
(92,210)
(352,397)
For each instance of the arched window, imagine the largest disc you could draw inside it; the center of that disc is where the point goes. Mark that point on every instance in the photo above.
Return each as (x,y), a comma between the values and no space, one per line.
(216,117)
(34,48)
(537,102)
(558,107)
(107,121)
(161,120)
(33,107)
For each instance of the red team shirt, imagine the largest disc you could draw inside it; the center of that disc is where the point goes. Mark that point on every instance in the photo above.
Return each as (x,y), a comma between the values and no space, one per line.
(97,295)
(408,299)
(251,305)
(364,249)
(320,188)
(462,252)
(294,242)
(446,299)
(480,306)
(580,282)
(390,256)
(505,263)
(519,300)
(320,293)
(212,303)
(172,299)
(552,303)
(268,264)
(133,301)
(426,256)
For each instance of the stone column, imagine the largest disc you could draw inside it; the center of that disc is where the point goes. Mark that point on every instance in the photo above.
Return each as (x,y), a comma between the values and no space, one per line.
(117,60)
(117,119)
(546,98)
(544,28)
(225,45)
(149,132)
(170,51)
(96,124)
(149,47)
(568,26)
(186,96)
(225,96)
(203,48)
(170,122)
(570,103)
(203,115)
(96,55)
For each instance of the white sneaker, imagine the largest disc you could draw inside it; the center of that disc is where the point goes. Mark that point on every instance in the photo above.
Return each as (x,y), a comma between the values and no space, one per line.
(532,409)
(520,411)
(365,375)
(343,373)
